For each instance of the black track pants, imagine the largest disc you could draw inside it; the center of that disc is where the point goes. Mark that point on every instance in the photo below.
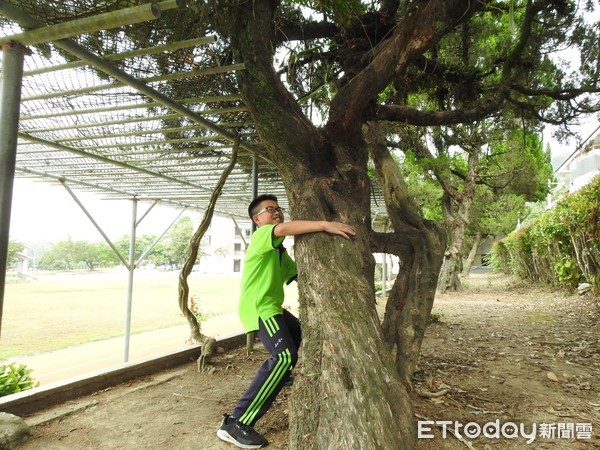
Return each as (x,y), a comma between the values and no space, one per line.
(281,337)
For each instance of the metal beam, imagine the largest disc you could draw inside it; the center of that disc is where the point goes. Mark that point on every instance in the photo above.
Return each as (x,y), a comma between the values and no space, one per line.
(119,84)
(149,132)
(10,94)
(130,54)
(146,105)
(131,267)
(91,218)
(254,184)
(110,161)
(106,21)
(91,186)
(107,67)
(121,194)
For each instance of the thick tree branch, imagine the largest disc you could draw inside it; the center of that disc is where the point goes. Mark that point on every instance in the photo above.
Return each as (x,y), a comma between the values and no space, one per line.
(305,31)
(390,243)
(411,116)
(525,33)
(413,35)
(560,94)
(262,89)
(449,74)
(402,210)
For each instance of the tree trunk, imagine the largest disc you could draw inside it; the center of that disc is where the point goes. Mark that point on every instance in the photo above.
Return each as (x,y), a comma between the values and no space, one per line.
(469,261)
(448,279)
(419,244)
(349,394)
(457,208)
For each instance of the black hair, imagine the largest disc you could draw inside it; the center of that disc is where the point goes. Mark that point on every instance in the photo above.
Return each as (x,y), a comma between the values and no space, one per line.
(257,201)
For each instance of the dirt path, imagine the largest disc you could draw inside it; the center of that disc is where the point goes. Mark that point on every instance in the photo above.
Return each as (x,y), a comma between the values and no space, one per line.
(499,353)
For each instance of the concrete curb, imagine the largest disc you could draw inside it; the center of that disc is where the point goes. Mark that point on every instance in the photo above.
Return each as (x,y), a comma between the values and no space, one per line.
(34,400)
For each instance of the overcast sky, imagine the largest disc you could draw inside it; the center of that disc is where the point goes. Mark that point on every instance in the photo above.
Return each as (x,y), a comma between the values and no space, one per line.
(46,211)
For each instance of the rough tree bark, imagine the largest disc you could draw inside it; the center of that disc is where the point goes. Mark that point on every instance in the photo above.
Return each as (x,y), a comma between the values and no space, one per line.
(419,244)
(349,394)
(471,257)
(457,208)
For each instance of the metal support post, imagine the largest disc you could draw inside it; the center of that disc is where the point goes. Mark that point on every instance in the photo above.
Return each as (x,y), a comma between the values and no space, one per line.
(251,335)
(10,98)
(89,216)
(157,240)
(131,268)
(254,184)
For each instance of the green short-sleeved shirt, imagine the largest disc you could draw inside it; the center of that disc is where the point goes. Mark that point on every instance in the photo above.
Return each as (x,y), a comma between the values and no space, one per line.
(266,269)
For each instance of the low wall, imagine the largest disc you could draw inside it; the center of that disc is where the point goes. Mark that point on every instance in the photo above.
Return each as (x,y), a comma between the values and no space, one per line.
(34,400)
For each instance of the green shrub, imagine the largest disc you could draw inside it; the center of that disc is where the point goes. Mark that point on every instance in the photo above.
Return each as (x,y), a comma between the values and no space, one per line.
(15,378)
(561,247)
(434,317)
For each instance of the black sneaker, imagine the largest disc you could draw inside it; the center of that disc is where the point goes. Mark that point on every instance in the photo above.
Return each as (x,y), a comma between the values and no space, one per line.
(239,434)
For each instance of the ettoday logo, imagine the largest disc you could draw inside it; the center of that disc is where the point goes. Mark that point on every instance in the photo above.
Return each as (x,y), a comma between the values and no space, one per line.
(506,430)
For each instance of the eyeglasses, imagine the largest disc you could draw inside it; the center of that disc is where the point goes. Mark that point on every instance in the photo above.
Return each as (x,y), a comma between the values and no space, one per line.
(271,210)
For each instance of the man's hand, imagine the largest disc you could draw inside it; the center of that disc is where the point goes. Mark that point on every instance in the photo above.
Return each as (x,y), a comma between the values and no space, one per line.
(340,228)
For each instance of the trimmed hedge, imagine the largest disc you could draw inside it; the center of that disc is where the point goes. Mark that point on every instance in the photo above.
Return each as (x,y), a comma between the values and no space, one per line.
(561,247)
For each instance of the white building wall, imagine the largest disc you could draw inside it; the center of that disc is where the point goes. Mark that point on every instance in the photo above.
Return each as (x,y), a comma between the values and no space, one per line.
(224,248)
(582,167)
(585,168)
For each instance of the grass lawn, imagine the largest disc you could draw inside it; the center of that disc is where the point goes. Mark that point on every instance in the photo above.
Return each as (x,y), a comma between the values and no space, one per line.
(62,310)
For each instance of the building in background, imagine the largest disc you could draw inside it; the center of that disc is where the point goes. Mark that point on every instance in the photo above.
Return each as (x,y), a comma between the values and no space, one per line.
(579,168)
(224,246)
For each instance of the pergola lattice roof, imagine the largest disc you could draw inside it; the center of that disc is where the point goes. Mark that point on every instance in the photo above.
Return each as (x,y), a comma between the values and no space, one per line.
(108,122)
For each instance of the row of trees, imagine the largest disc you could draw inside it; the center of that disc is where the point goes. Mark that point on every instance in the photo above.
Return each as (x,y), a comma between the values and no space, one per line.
(475,184)
(69,254)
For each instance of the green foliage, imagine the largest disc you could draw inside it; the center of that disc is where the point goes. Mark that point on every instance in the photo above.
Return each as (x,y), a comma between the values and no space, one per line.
(422,186)
(434,317)
(524,166)
(178,240)
(497,214)
(15,378)
(567,272)
(69,254)
(561,247)
(14,247)
(142,242)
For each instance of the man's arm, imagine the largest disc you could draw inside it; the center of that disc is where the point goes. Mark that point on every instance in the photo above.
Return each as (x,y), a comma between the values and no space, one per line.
(296,227)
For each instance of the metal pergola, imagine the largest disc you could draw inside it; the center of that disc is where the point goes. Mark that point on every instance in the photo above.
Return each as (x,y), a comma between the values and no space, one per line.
(94,97)
(127,136)
(111,122)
